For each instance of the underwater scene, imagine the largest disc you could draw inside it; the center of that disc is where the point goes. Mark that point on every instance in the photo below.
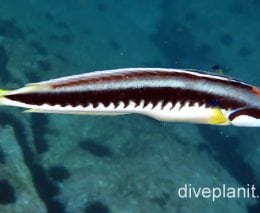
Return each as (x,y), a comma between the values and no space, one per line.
(132,163)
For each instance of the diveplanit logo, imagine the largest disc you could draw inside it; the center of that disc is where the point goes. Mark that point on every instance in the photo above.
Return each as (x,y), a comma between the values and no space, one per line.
(188,191)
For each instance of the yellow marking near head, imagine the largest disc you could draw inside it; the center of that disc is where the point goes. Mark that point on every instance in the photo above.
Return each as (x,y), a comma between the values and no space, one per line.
(218,118)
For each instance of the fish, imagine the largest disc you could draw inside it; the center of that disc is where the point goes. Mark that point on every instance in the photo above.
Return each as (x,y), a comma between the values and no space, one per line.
(165,94)
(218,69)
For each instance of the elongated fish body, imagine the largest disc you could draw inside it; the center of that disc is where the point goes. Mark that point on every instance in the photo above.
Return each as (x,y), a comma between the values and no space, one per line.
(164,94)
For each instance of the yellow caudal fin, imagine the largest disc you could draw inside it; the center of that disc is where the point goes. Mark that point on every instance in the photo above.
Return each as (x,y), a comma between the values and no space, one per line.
(3,92)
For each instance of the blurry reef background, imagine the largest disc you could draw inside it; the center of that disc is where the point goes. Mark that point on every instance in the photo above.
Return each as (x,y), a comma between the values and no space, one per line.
(63,163)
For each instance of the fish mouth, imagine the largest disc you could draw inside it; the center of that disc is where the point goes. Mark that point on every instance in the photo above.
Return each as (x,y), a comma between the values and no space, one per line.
(252,112)
(245,117)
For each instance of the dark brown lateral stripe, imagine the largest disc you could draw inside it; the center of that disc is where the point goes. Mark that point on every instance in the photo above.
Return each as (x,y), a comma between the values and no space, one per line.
(253,112)
(153,95)
(149,74)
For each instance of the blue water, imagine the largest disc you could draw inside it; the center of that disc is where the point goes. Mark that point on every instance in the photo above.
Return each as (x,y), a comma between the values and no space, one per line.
(64,163)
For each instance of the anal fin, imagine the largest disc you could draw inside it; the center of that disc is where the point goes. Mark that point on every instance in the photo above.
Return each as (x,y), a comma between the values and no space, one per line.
(33,110)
